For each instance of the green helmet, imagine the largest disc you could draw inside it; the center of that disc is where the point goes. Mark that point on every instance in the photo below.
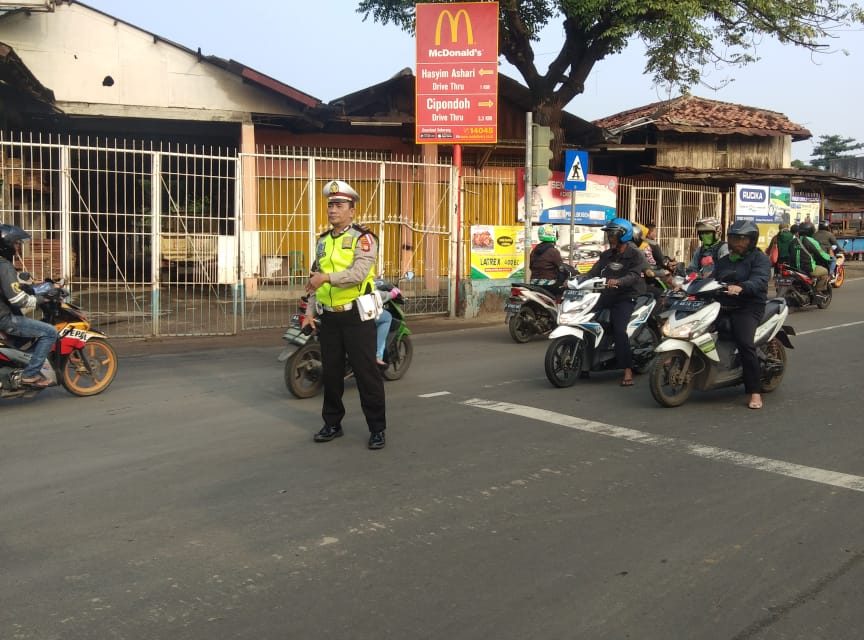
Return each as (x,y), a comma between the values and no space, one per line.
(547,233)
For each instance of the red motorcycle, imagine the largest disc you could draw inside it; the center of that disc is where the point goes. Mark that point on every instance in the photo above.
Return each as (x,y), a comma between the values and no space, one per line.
(799,289)
(81,360)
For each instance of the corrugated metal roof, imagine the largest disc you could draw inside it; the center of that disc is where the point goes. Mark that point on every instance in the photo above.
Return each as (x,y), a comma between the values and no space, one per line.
(692,114)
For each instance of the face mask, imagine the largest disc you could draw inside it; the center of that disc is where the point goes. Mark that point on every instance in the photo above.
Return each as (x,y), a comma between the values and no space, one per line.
(734,257)
(707,238)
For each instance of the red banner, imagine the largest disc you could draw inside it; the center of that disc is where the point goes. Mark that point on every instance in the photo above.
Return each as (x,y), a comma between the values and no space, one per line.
(457,73)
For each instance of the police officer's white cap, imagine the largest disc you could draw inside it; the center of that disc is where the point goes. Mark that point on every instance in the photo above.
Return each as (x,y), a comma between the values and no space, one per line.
(340,191)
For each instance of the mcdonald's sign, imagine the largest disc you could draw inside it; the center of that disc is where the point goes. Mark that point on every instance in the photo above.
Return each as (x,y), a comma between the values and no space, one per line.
(457,73)
(454,22)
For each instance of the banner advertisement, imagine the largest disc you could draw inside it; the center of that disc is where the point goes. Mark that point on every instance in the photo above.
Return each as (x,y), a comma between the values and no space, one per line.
(551,202)
(766,204)
(497,251)
(805,208)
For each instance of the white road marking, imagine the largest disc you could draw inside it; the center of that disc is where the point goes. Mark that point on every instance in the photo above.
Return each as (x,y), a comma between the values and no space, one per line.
(831,328)
(813,474)
(433,395)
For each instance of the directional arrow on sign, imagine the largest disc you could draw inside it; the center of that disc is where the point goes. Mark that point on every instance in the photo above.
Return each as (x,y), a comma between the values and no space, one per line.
(486,72)
(488,103)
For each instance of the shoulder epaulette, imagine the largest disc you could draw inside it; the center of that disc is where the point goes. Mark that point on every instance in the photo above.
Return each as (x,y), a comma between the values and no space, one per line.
(363,230)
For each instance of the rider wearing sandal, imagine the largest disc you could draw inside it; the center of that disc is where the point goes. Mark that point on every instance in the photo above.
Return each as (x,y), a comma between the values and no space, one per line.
(746,271)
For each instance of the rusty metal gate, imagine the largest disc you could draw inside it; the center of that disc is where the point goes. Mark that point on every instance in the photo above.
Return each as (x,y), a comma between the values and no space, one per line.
(407,203)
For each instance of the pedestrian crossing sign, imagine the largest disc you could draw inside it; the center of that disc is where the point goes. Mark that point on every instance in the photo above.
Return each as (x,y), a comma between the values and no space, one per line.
(575,170)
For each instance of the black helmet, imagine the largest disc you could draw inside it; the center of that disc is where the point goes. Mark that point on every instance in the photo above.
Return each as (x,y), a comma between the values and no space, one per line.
(9,235)
(806,229)
(744,227)
(824,225)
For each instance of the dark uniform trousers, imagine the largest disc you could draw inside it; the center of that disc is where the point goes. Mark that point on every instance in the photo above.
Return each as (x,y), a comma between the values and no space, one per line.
(620,310)
(344,333)
(744,321)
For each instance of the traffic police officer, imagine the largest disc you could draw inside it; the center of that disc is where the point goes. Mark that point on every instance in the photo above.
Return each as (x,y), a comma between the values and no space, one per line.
(344,270)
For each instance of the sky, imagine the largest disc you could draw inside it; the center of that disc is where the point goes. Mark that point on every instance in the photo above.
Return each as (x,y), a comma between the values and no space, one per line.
(325,49)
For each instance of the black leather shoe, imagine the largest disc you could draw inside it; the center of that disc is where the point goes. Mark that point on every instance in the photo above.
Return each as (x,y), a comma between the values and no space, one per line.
(377,440)
(327,433)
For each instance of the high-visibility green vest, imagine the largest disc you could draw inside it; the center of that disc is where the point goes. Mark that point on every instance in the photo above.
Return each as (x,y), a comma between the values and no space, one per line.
(337,254)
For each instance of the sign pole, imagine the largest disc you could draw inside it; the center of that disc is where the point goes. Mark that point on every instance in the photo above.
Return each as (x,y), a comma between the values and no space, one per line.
(572,225)
(457,161)
(529,200)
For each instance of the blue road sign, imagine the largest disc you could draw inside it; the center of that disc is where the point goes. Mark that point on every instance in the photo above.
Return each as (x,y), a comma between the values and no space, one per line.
(575,170)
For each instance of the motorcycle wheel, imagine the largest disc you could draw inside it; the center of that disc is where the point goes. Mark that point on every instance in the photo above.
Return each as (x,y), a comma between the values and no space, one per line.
(839,277)
(89,370)
(648,338)
(669,382)
(304,371)
(564,361)
(824,299)
(399,359)
(774,350)
(522,325)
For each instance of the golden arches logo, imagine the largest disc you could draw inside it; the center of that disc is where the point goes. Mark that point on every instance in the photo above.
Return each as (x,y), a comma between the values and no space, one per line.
(454,25)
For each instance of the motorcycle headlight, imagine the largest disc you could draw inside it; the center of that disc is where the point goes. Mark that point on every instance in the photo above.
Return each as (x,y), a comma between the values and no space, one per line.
(686,330)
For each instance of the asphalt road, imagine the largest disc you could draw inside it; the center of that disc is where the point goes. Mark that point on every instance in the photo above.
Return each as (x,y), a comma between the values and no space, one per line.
(189,501)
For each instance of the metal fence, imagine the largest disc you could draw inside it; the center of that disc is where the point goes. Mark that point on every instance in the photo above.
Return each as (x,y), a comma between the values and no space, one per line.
(673,207)
(170,240)
(164,240)
(145,235)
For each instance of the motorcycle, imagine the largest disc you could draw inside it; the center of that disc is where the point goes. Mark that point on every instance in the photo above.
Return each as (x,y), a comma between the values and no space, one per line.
(532,309)
(302,357)
(839,276)
(697,351)
(577,345)
(799,289)
(81,359)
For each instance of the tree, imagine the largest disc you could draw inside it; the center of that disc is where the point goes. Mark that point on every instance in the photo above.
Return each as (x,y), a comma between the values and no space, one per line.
(829,147)
(681,38)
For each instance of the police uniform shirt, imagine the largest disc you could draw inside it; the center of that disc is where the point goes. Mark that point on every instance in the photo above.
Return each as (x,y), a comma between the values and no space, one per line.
(365,254)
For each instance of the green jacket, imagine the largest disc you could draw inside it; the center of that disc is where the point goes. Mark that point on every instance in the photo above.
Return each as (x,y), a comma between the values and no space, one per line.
(805,254)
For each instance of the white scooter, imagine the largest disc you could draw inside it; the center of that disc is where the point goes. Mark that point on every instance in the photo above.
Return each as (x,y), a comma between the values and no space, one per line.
(698,352)
(530,311)
(577,345)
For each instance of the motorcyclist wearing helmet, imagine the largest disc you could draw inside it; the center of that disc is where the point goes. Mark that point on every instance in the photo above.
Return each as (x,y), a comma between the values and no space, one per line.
(710,245)
(622,265)
(547,266)
(782,241)
(806,255)
(16,296)
(746,270)
(828,242)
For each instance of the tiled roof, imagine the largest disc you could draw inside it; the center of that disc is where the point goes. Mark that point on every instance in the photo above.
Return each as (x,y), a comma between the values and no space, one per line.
(691,114)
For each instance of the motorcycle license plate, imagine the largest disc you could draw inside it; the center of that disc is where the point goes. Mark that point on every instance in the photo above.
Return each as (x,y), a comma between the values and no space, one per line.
(573,294)
(512,307)
(783,282)
(688,305)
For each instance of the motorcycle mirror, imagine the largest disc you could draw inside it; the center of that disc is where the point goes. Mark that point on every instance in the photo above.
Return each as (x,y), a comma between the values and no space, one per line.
(409,275)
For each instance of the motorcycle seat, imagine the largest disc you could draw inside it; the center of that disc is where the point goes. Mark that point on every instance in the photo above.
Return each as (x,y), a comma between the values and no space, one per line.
(643,299)
(534,287)
(773,307)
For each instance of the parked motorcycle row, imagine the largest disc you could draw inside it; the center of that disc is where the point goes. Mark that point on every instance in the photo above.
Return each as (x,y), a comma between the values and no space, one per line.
(678,336)
(82,359)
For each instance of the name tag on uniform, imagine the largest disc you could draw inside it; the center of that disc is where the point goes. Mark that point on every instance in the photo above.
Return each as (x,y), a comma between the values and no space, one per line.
(347,242)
